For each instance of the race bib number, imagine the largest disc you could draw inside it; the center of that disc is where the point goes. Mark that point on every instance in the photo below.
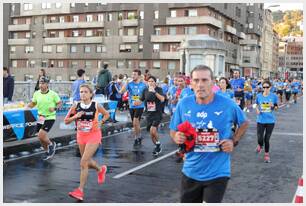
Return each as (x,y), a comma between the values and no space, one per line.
(41,119)
(207,141)
(265,107)
(85,126)
(151,106)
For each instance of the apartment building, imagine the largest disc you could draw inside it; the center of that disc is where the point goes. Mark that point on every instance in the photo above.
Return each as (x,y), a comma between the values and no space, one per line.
(62,37)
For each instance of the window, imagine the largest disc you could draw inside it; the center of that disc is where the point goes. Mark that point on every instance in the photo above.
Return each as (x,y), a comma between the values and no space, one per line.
(100,64)
(12,49)
(15,35)
(173,13)
(131,15)
(59,49)
(88,32)
(125,48)
(89,18)
(171,65)
(52,34)
(155,47)
(75,18)
(100,17)
(33,34)
(225,6)
(32,64)
(251,25)
(100,49)
(238,12)
(107,32)
(27,7)
(192,12)
(141,14)
(86,4)
(87,64)
(75,33)
(156,64)
(28,21)
(87,49)
(44,63)
(157,31)
(172,30)
(190,30)
(60,64)
(61,19)
(53,19)
(14,63)
(15,21)
(46,5)
(28,35)
(140,31)
(74,64)
(109,17)
(29,49)
(156,14)
(120,32)
(120,64)
(140,48)
(246,59)
(131,32)
(130,64)
(58,5)
(72,5)
(73,49)
(142,64)
(13,7)
(47,49)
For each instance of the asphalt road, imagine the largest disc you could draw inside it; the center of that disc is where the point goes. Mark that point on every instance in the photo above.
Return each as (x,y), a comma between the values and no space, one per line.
(135,176)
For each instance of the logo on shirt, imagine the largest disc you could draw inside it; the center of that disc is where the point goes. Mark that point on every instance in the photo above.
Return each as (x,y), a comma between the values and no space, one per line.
(218,113)
(202,115)
(188,113)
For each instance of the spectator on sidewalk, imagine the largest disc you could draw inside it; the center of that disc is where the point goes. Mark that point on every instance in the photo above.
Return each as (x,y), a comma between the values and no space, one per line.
(8,85)
(42,72)
(104,77)
(76,85)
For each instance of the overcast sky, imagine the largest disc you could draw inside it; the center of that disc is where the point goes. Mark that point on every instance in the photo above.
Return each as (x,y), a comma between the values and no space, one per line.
(284,6)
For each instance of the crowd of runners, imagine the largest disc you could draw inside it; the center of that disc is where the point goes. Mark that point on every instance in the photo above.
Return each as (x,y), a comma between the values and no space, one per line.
(208,118)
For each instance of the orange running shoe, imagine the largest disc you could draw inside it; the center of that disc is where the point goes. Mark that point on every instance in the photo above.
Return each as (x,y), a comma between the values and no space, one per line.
(77,194)
(101,174)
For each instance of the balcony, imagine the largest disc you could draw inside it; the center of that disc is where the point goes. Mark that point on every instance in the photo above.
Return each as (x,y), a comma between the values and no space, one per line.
(130,39)
(194,20)
(241,35)
(20,27)
(167,38)
(248,42)
(169,55)
(230,29)
(129,22)
(73,25)
(18,41)
(74,40)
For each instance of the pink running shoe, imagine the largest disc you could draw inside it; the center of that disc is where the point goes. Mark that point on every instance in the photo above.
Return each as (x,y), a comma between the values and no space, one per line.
(101,175)
(77,194)
(267,158)
(258,149)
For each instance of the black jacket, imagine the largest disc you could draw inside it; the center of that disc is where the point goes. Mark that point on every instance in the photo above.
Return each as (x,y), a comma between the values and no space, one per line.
(8,87)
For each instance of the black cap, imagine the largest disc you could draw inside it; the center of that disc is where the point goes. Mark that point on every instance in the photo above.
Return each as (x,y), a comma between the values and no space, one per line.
(44,79)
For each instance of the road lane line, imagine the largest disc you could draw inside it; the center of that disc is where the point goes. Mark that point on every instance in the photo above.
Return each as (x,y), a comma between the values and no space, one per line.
(287,133)
(144,165)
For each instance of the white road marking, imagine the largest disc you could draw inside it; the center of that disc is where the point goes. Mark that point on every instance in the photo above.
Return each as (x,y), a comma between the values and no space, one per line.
(144,165)
(287,133)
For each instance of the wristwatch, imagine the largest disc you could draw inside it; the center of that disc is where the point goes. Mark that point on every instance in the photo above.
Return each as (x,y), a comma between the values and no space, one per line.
(235,143)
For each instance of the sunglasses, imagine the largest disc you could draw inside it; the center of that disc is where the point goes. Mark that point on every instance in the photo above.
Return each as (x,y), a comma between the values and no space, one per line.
(266,87)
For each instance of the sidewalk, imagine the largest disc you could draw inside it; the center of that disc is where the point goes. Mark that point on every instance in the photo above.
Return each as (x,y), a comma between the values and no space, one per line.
(65,137)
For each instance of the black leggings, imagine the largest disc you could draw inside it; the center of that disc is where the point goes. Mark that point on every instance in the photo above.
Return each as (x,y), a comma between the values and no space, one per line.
(212,191)
(267,128)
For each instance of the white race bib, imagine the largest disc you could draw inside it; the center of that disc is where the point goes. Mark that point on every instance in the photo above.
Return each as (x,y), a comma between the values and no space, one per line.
(207,141)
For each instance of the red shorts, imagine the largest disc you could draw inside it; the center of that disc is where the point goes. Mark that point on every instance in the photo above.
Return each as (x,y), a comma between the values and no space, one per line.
(93,137)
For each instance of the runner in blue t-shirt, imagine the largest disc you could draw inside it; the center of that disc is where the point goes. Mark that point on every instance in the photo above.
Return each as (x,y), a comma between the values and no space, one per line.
(279,89)
(238,85)
(287,88)
(295,87)
(207,167)
(186,92)
(135,89)
(225,88)
(266,104)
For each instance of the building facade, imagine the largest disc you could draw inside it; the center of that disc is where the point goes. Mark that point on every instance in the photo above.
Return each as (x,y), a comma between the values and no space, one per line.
(63,37)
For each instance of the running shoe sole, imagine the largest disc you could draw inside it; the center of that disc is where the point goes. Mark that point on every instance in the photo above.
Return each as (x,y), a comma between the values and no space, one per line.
(103,179)
(75,197)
